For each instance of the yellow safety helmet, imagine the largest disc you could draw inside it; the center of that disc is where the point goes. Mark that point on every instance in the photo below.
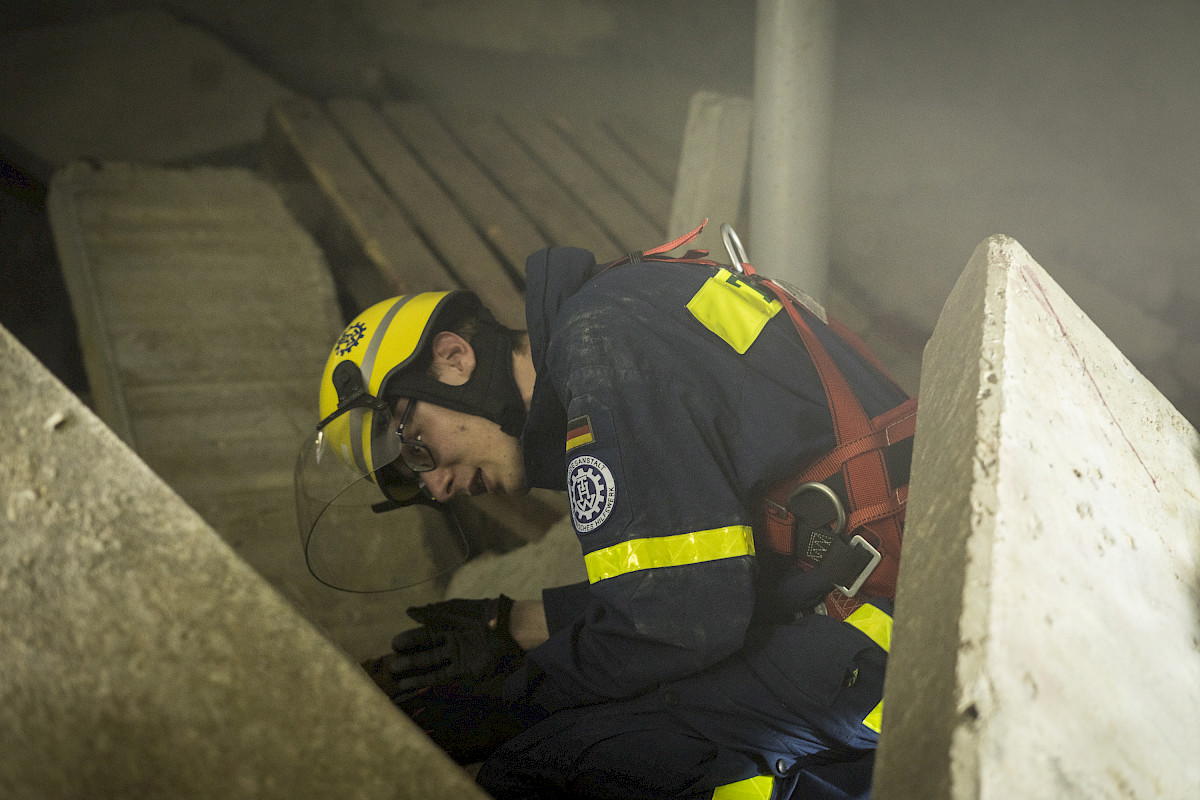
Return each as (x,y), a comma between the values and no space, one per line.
(354,454)
(377,345)
(383,356)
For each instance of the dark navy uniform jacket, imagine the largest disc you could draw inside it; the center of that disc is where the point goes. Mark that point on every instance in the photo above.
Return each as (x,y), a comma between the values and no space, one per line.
(667,397)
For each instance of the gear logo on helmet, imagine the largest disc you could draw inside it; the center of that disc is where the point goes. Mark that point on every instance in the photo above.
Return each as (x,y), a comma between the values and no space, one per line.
(350,338)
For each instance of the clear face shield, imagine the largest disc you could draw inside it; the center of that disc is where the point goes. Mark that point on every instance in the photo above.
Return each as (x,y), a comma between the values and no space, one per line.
(345,484)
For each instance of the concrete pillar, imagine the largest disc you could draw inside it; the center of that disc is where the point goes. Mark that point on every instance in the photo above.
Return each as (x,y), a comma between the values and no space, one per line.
(1047,640)
(790,148)
(142,658)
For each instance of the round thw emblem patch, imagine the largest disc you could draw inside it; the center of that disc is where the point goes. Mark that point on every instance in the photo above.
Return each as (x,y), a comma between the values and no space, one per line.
(592,491)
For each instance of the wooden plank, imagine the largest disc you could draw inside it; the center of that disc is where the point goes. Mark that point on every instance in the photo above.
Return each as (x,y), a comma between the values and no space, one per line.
(100,357)
(213,353)
(504,225)
(202,319)
(261,525)
(643,188)
(148,357)
(558,215)
(291,403)
(150,240)
(627,224)
(433,213)
(217,406)
(356,198)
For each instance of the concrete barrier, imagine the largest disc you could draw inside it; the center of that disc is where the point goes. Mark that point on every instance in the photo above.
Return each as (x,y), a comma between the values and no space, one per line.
(712,169)
(1047,640)
(142,658)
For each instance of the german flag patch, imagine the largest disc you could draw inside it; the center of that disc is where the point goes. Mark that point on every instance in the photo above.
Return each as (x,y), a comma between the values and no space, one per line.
(579,432)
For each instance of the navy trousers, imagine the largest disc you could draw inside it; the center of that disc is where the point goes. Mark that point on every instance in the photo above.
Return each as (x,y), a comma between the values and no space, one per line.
(790,705)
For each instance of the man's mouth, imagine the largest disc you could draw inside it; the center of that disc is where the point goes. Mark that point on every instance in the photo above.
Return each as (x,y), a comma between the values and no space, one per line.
(478,484)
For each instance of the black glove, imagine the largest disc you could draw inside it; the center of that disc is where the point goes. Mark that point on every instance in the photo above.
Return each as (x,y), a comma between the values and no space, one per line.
(467,723)
(465,642)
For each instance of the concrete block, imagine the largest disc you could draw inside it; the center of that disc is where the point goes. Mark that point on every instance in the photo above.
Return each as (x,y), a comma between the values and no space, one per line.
(712,168)
(1047,640)
(143,658)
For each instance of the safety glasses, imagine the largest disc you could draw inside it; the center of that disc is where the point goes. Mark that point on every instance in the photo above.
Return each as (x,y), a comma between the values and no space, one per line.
(416,454)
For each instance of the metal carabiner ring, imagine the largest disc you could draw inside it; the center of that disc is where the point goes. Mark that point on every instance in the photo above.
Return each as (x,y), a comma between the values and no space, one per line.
(733,246)
(833,498)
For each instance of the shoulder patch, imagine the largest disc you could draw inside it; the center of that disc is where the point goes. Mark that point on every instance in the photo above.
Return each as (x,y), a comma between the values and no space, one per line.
(592,491)
(579,432)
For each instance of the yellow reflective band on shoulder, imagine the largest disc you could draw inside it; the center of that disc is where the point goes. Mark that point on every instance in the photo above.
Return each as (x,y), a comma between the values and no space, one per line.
(758,788)
(669,551)
(875,623)
(732,309)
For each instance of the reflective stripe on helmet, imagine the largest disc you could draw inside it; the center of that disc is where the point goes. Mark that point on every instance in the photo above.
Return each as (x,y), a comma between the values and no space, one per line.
(377,338)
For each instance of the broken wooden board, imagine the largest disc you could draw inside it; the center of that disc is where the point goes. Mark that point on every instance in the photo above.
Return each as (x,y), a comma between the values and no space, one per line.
(206,314)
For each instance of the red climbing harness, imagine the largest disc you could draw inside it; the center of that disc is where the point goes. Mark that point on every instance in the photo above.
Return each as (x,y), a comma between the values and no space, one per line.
(842,516)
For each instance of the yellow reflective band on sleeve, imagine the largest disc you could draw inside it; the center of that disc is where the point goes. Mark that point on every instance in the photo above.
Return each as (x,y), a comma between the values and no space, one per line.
(877,625)
(669,551)
(732,309)
(758,788)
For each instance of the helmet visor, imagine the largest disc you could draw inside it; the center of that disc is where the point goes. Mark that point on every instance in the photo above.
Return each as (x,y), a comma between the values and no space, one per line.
(349,542)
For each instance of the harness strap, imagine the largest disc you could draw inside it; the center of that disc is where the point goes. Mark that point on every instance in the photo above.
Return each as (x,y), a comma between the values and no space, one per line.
(691,257)
(865,471)
(682,240)
(865,516)
(898,431)
(858,467)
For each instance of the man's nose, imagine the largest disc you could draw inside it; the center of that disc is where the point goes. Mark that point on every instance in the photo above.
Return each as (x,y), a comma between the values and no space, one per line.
(440,482)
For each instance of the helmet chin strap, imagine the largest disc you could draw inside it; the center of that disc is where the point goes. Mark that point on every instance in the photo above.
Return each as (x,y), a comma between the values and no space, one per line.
(491,392)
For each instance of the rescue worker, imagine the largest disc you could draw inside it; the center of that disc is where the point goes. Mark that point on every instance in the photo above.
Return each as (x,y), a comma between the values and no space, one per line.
(665,397)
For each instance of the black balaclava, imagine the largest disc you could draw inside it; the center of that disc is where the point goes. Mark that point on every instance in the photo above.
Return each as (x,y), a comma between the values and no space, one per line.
(491,392)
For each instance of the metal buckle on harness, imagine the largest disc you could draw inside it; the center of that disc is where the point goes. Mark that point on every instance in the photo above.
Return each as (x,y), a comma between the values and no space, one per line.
(839,527)
(876,557)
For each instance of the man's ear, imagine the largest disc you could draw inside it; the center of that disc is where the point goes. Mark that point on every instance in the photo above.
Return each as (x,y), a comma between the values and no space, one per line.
(453,358)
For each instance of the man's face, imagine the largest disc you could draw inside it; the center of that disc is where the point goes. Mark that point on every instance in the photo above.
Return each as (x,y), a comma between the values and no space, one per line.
(472,454)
